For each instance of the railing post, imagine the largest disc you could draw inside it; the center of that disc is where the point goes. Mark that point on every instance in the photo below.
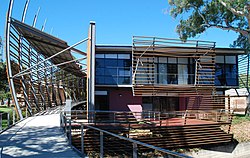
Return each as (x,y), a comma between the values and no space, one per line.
(70,139)
(8,119)
(101,144)
(13,116)
(65,124)
(82,140)
(134,150)
(0,122)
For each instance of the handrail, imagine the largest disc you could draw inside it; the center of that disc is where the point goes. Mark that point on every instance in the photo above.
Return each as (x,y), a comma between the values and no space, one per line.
(146,40)
(141,143)
(134,142)
(220,116)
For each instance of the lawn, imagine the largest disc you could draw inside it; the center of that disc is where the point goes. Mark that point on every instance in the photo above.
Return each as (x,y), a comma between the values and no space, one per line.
(4,109)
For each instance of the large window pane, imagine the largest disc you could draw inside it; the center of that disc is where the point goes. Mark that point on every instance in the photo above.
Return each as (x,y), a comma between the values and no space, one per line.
(219,59)
(110,80)
(172,74)
(163,74)
(111,71)
(230,60)
(231,75)
(220,75)
(99,71)
(99,80)
(110,63)
(100,62)
(182,74)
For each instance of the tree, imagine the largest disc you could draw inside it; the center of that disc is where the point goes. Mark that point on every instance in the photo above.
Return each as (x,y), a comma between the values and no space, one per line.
(199,15)
(230,15)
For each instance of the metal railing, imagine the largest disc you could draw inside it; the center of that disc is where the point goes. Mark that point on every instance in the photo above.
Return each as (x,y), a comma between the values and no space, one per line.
(6,121)
(103,140)
(221,116)
(163,42)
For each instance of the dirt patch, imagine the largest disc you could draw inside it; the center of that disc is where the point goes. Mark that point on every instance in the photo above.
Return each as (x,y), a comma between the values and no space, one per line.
(241,131)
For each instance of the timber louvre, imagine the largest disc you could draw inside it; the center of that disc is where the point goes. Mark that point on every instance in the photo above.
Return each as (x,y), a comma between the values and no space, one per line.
(42,71)
(201,93)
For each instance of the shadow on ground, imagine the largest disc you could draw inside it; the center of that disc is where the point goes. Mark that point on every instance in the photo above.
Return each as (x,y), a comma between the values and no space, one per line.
(225,147)
(36,141)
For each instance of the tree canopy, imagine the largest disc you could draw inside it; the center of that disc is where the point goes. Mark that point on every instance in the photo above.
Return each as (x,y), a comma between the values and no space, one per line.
(199,15)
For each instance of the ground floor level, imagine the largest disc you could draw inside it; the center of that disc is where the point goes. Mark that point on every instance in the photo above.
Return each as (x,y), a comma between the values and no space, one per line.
(120,99)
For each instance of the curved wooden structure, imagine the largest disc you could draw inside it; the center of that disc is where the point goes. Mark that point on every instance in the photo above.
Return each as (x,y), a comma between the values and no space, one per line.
(42,71)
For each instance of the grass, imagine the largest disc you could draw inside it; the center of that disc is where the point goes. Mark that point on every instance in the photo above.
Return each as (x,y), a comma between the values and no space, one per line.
(240,119)
(5,109)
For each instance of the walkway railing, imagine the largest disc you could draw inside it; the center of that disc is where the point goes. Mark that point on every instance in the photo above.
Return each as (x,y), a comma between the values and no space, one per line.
(105,143)
(160,118)
(6,121)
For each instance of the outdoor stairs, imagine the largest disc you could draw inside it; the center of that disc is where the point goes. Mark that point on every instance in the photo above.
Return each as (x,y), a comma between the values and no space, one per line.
(186,136)
(168,137)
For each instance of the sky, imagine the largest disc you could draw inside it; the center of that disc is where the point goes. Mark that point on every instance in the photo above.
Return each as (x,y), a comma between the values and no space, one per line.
(116,20)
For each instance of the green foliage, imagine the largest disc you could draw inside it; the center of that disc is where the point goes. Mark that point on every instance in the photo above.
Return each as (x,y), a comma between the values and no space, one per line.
(240,118)
(3,77)
(198,15)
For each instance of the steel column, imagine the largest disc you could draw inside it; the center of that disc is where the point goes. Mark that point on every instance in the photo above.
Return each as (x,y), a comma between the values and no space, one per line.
(91,71)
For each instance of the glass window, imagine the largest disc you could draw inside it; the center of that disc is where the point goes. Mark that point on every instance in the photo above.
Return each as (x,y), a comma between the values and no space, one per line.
(100,62)
(172,60)
(230,59)
(99,71)
(111,56)
(172,74)
(219,59)
(219,75)
(163,74)
(124,80)
(183,60)
(124,63)
(231,75)
(99,80)
(113,69)
(123,56)
(163,60)
(110,80)
(182,74)
(99,56)
(110,63)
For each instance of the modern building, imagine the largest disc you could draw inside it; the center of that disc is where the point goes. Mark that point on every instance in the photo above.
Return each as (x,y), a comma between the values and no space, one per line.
(164,75)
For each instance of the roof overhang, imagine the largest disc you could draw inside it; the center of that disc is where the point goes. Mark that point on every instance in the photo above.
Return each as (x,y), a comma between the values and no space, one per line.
(49,45)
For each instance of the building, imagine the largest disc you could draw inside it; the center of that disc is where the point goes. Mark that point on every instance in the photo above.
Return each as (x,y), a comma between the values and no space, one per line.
(164,75)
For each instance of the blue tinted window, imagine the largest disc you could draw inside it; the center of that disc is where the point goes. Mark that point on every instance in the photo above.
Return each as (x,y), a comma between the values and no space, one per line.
(100,62)
(113,69)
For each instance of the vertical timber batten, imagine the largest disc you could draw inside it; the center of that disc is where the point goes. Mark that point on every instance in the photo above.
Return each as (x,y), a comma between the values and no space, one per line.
(91,71)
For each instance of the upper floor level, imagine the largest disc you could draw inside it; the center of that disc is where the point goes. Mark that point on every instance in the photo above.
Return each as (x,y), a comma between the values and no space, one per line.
(117,66)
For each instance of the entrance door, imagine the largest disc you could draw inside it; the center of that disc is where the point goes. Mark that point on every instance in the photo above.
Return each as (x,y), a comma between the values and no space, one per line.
(165,104)
(101,102)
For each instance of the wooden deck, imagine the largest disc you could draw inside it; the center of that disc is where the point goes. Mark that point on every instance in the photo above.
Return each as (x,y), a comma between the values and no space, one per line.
(165,130)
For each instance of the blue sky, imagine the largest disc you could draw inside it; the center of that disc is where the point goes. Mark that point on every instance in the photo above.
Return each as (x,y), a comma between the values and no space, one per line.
(116,20)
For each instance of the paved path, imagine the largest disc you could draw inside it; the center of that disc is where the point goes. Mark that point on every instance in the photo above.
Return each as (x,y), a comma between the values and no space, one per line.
(38,136)
(241,150)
